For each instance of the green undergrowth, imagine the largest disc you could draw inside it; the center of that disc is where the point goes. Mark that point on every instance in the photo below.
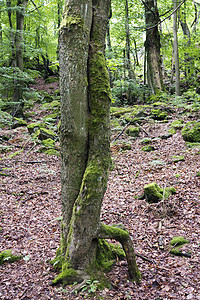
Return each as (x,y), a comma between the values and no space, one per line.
(7,256)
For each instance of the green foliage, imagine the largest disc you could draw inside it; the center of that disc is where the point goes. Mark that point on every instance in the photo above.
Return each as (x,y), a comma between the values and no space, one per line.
(148,148)
(128,92)
(90,286)
(7,256)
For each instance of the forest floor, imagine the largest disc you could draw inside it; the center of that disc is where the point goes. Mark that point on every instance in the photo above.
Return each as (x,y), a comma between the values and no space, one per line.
(30,208)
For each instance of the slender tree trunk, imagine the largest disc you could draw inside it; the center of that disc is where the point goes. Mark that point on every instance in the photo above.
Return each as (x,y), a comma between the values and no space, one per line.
(152,45)
(176,54)
(131,75)
(85,146)
(128,59)
(13,62)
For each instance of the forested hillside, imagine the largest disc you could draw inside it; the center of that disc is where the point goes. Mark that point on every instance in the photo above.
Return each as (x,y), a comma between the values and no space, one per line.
(153,190)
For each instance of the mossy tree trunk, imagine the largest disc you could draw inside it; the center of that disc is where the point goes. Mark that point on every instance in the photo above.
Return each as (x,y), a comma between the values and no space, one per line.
(85,146)
(152,47)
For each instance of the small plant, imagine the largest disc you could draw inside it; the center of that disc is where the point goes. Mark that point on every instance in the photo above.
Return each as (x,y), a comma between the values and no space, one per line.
(90,286)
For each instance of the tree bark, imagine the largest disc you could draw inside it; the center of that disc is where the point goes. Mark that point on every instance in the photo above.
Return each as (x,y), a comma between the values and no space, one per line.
(152,46)
(176,53)
(85,140)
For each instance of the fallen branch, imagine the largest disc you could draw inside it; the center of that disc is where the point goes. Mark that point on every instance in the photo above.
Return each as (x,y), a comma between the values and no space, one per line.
(144,258)
(17,146)
(142,128)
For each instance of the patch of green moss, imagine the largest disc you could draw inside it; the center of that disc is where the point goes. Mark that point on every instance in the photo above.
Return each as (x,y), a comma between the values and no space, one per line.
(54,105)
(178,158)
(146,141)
(70,21)
(48,143)
(192,145)
(52,152)
(177,124)
(178,240)
(114,231)
(133,131)
(159,103)
(46,134)
(51,79)
(7,256)
(172,131)
(67,276)
(115,124)
(119,111)
(198,174)
(148,148)
(191,132)
(158,114)
(17,122)
(34,126)
(153,193)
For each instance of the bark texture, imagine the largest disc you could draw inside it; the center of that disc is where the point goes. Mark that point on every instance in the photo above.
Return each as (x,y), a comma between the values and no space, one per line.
(85,145)
(152,47)
(176,52)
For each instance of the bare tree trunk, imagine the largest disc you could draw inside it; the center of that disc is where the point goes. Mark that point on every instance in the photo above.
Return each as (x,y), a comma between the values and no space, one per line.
(85,139)
(131,74)
(152,46)
(176,54)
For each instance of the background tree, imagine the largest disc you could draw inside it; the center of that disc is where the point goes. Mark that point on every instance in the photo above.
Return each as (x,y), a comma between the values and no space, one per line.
(176,53)
(152,46)
(85,147)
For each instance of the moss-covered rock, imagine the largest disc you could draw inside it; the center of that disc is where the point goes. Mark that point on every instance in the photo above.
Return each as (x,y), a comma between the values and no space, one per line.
(159,103)
(177,124)
(178,158)
(48,143)
(119,111)
(45,134)
(133,131)
(191,132)
(158,114)
(34,126)
(178,243)
(148,148)
(172,131)
(115,147)
(54,105)
(153,193)
(178,240)
(146,141)
(18,123)
(7,256)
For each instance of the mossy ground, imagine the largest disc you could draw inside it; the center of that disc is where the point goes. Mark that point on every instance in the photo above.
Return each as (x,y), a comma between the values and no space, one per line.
(7,256)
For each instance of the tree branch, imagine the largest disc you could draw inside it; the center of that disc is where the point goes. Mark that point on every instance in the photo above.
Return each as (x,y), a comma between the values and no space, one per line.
(119,233)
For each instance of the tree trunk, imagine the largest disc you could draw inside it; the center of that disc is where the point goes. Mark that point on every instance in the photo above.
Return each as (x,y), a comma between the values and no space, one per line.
(131,74)
(152,46)
(17,57)
(176,54)
(85,146)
